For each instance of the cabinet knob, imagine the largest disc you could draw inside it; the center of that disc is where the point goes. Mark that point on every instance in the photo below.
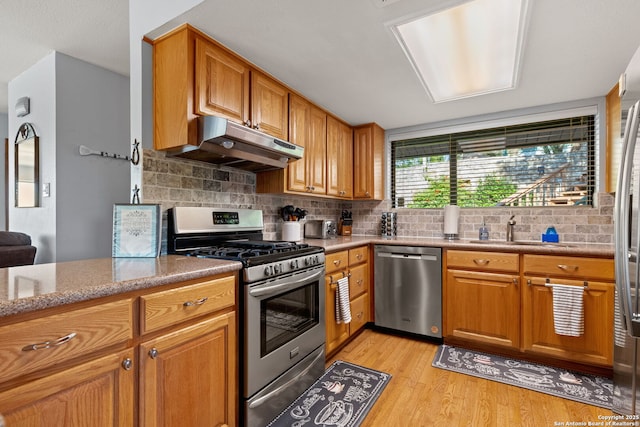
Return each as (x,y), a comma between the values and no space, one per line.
(127,364)
(481,261)
(515,281)
(568,268)
(256,127)
(153,353)
(247,123)
(337,262)
(366,193)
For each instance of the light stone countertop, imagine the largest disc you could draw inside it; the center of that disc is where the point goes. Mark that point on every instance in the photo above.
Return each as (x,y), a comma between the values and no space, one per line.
(35,287)
(569,249)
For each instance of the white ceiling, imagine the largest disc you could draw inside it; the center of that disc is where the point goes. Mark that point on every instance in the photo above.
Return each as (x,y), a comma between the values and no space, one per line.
(341,54)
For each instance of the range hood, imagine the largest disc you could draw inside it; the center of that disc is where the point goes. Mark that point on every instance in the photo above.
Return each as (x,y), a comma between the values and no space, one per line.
(226,143)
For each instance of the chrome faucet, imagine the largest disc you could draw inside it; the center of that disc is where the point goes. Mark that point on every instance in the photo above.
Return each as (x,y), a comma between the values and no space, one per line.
(510,225)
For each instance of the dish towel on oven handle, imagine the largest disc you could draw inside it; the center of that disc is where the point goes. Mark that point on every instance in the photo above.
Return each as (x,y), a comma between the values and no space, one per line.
(568,309)
(343,307)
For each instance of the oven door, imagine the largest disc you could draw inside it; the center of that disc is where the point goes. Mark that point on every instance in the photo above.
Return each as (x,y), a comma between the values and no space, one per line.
(284,322)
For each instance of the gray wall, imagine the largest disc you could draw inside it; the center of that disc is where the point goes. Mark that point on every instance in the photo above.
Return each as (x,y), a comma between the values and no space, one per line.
(74,103)
(4,133)
(38,83)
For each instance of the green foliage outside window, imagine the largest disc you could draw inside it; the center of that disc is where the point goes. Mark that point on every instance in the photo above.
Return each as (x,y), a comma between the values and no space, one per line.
(490,191)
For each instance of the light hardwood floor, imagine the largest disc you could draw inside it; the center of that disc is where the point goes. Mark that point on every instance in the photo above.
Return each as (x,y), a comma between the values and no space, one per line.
(421,395)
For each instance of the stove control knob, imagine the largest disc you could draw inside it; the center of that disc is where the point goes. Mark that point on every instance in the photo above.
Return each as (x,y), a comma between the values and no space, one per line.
(267,271)
(307,261)
(294,264)
(277,268)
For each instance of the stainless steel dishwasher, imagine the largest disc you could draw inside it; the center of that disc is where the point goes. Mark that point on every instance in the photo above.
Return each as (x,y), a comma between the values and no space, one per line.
(408,289)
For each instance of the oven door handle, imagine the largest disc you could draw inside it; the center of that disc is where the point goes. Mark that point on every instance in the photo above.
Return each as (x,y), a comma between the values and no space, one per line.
(259,401)
(263,290)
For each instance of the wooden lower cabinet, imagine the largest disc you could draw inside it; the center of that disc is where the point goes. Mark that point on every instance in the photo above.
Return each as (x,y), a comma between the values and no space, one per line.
(504,300)
(353,263)
(76,366)
(188,376)
(483,307)
(99,393)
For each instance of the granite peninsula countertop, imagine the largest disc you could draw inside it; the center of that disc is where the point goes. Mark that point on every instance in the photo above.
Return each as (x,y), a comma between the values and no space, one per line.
(35,287)
(569,249)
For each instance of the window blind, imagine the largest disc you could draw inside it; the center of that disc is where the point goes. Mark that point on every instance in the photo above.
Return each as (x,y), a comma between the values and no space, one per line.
(546,163)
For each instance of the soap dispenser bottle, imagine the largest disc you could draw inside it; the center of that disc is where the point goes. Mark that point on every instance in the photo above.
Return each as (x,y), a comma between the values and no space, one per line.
(484,232)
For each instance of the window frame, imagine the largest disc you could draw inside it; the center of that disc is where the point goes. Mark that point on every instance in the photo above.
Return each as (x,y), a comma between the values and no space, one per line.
(592,106)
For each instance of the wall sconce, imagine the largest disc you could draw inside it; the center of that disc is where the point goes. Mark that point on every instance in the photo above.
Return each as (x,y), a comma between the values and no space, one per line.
(22,106)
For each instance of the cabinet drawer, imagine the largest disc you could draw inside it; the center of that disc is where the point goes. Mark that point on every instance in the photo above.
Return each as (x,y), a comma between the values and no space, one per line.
(336,261)
(484,261)
(358,255)
(564,266)
(359,312)
(358,282)
(41,343)
(167,308)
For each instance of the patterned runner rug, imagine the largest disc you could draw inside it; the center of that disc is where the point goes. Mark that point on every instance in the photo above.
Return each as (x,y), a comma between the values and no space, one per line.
(585,388)
(341,397)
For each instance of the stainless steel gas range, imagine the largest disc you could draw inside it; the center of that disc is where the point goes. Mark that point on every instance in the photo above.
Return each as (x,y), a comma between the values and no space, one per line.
(281,303)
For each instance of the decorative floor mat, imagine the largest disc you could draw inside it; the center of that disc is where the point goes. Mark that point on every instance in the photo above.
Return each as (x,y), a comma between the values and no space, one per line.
(341,397)
(585,388)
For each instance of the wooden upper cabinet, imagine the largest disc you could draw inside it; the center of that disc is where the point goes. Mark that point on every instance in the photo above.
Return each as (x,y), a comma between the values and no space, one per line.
(614,138)
(339,159)
(368,163)
(308,128)
(269,106)
(222,83)
(173,89)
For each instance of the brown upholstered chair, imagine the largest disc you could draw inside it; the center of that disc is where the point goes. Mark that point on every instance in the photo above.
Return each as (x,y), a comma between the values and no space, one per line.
(16,249)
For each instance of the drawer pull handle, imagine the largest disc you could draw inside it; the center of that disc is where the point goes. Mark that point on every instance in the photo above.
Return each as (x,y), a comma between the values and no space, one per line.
(359,282)
(337,262)
(568,268)
(359,257)
(49,344)
(481,261)
(359,315)
(196,302)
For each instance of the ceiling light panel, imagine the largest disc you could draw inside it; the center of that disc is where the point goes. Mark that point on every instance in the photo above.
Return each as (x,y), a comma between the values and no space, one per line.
(467,50)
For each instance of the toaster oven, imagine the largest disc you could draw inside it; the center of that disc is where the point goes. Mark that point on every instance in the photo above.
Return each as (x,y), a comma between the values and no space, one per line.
(320,229)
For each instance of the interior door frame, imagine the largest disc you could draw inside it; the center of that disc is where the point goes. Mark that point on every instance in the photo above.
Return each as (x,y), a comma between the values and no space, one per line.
(6,183)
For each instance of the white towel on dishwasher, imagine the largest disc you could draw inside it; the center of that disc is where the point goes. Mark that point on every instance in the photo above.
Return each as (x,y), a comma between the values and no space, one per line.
(343,307)
(568,311)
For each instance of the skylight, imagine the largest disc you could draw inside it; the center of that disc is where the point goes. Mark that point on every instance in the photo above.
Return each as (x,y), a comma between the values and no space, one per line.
(468,50)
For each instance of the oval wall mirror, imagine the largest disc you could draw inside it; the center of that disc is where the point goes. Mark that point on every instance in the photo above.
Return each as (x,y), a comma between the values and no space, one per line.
(27,167)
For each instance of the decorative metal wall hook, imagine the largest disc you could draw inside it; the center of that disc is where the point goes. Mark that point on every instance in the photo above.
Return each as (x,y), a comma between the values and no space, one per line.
(135,155)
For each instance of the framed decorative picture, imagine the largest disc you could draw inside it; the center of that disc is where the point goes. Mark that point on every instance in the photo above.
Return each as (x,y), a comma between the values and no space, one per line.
(137,231)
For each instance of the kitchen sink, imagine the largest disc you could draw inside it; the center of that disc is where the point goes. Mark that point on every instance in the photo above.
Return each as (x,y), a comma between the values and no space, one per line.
(522,243)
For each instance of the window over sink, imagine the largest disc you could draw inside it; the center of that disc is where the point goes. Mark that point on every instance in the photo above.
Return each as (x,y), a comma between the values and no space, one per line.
(541,163)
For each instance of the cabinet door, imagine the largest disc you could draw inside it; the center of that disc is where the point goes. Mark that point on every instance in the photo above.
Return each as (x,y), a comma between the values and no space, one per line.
(269,106)
(299,125)
(359,280)
(189,376)
(337,333)
(316,153)
(368,162)
(339,159)
(595,346)
(359,313)
(483,307)
(99,393)
(222,83)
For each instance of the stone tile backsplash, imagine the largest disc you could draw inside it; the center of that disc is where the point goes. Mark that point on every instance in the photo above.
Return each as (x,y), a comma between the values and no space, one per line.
(177,182)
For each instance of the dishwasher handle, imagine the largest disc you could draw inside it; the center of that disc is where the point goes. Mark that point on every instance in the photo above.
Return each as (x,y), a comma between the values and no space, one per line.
(399,255)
